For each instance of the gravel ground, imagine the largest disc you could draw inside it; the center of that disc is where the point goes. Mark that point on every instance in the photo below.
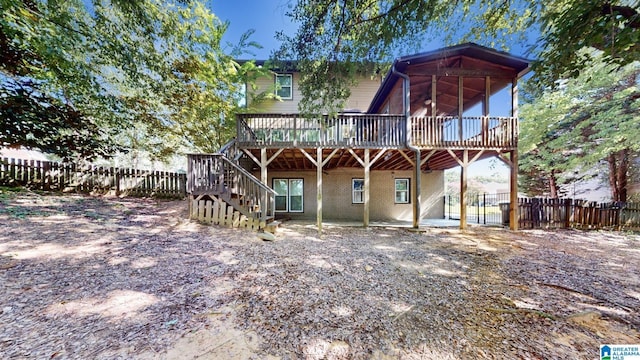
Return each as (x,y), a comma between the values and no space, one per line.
(94,277)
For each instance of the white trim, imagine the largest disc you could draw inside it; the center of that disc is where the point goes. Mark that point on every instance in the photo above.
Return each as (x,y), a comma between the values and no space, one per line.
(288,195)
(301,196)
(396,191)
(354,191)
(278,86)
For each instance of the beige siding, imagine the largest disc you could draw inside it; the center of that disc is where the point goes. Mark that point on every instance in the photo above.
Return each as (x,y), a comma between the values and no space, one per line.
(267,84)
(361,96)
(337,200)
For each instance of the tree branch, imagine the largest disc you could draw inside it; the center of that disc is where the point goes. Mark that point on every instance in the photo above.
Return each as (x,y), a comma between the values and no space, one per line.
(339,40)
(627,12)
(392,10)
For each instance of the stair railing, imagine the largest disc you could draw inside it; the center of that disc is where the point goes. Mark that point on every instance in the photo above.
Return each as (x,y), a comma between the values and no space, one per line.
(216,174)
(230,150)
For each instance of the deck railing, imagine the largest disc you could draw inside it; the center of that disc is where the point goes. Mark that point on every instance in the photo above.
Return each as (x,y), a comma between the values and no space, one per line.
(375,131)
(215,174)
(344,130)
(466,132)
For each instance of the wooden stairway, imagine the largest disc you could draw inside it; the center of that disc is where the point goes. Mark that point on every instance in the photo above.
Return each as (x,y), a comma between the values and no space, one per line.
(221,192)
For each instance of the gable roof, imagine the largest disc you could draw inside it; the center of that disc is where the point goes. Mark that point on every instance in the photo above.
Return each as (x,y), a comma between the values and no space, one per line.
(519,65)
(284,66)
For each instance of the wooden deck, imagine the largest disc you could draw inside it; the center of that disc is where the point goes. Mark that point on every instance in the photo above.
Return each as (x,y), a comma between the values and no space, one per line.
(366,131)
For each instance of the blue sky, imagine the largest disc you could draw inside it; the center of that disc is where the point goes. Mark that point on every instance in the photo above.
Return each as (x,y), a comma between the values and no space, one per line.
(267,17)
(264,16)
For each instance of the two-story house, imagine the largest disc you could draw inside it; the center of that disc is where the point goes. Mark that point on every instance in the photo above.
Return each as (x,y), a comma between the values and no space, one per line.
(431,112)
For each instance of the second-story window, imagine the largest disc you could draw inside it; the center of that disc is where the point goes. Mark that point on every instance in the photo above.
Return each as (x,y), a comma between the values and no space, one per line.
(284,86)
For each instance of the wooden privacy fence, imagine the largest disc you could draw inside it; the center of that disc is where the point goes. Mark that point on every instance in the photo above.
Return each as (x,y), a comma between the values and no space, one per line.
(569,213)
(50,175)
(213,210)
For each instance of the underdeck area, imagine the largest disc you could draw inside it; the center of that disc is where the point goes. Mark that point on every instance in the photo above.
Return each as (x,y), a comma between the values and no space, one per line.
(297,159)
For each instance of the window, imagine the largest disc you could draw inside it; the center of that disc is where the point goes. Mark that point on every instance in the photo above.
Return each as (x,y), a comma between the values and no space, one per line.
(357,187)
(242,96)
(284,86)
(402,191)
(289,195)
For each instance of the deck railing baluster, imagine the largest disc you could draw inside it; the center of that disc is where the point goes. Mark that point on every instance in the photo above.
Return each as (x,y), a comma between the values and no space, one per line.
(372,130)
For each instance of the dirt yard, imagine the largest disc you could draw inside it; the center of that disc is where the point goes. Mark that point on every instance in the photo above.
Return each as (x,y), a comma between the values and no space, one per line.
(103,278)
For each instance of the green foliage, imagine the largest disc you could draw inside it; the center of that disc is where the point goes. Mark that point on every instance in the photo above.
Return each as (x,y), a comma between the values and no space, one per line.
(35,120)
(567,27)
(85,79)
(336,39)
(582,123)
(374,31)
(7,193)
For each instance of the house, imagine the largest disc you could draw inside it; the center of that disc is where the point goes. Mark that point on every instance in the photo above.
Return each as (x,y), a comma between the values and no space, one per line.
(431,112)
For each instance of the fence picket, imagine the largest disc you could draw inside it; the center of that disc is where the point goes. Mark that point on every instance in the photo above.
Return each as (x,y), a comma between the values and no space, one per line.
(535,213)
(52,175)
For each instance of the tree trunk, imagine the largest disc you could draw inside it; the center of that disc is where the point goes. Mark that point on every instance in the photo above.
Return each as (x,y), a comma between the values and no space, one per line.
(622,175)
(553,185)
(618,174)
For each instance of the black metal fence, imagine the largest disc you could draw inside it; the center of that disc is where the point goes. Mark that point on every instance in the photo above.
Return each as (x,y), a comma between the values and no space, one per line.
(537,213)
(485,209)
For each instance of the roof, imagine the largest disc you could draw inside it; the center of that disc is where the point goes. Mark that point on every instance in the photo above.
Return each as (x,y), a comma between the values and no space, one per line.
(285,66)
(520,65)
(293,65)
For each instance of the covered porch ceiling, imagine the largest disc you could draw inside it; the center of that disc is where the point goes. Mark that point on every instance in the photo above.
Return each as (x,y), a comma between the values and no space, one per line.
(447,72)
(293,159)
(476,66)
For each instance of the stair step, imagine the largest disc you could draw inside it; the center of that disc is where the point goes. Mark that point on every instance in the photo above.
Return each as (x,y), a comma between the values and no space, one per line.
(272,226)
(266,236)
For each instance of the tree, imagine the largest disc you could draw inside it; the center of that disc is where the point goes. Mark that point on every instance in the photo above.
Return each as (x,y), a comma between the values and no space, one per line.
(44,78)
(336,35)
(143,75)
(585,123)
(36,120)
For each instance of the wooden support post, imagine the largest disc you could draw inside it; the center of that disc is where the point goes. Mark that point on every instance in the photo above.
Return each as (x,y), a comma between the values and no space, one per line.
(513,194)
(460,108)
(513,200)
(367,187)
(434,93)
(319,188)
(463,189)
(263,177)
(486,110)
(319,163)
(416,193)
(514,97)
(366,163)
